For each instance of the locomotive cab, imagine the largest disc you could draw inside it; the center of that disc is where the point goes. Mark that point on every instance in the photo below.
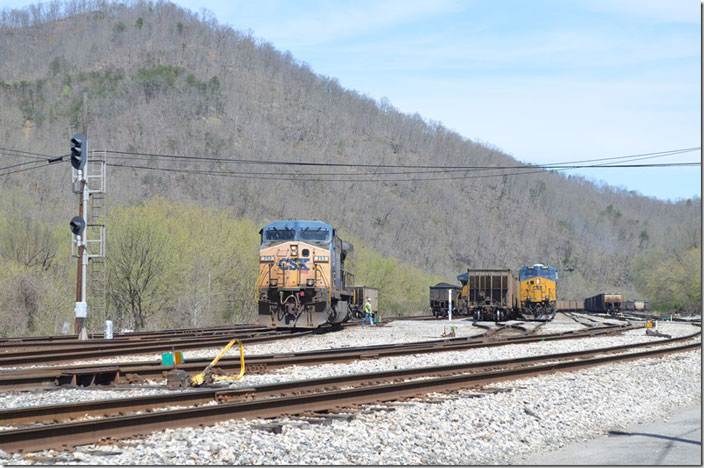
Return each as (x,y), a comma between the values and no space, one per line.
(538,291)
(302,282)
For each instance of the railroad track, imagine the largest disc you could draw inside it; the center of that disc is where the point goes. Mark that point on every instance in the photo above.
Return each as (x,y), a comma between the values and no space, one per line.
(586,320)
(108,348)
(266,401)
(27,379)
(21,341)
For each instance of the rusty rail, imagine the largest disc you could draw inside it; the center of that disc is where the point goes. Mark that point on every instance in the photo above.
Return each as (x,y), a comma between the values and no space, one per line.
(24,379)
(77,433)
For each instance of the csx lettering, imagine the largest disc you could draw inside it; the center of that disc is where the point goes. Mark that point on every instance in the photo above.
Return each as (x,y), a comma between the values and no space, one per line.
(294,264)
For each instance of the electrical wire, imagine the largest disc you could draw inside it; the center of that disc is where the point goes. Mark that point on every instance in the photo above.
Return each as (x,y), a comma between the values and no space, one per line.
(360,165)
(380,175)
(288,177)
(45,164)
(22,154)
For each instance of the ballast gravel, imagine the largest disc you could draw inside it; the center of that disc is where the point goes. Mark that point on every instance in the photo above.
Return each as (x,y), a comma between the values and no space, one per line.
(503,424)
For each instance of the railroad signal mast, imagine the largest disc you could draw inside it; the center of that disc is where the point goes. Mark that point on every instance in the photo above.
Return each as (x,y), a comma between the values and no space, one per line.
(79,157)
(88,227)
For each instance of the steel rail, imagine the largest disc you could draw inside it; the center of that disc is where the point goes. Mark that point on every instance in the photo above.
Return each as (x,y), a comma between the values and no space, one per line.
(82,432)
(24,379)
(58,344)
(54,413)
(14,359)
(55,347)
(50,339)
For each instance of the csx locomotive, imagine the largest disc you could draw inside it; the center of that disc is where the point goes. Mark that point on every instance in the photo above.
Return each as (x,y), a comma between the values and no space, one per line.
(302,280)
(538,291)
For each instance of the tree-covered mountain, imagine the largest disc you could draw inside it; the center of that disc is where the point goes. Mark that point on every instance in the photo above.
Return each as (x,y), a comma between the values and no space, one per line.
(153,78)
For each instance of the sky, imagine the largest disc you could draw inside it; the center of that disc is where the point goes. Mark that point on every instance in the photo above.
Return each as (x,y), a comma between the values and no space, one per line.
(542,80)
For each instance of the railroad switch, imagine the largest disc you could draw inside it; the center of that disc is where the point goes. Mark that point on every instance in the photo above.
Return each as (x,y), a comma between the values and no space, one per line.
(178,378)
(209,375)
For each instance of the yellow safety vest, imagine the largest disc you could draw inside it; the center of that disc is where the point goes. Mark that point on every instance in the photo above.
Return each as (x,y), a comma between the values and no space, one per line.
(367,308)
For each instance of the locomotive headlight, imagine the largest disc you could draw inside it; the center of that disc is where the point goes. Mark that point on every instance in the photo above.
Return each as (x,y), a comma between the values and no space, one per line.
(321,258)
(266,258)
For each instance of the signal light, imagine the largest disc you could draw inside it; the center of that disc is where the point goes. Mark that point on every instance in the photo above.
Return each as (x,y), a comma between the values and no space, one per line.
(79,155)
(78,225)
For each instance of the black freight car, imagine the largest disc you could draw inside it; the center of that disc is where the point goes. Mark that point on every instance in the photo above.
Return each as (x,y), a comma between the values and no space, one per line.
(439,300)
(604,303)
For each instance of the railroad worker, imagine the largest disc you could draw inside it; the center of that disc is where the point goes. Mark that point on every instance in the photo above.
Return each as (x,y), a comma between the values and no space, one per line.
(368,313)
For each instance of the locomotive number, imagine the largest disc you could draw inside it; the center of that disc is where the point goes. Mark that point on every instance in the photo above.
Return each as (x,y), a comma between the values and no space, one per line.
(294,264)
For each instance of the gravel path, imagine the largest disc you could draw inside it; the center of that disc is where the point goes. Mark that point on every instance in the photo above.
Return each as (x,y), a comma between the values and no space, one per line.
(526,416)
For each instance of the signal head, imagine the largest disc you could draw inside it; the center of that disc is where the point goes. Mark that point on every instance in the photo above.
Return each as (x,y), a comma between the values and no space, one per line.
(78,225)
(79,153)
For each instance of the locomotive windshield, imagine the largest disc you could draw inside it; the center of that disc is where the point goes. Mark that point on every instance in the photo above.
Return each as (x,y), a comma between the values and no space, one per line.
(274,236)
(319,236)
(533,272)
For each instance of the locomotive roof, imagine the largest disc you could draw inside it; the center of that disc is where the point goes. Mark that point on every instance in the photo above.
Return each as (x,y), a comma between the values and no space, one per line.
(445,286)
(297,224)
(539,266)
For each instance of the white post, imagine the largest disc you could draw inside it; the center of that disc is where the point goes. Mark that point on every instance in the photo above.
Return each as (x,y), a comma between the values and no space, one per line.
(84,260)
(449,304)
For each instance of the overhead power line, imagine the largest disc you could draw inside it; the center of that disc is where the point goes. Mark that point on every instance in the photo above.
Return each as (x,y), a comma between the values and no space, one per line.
(384,166)
(301,177)
(37,165)
(22,154)
(365,172)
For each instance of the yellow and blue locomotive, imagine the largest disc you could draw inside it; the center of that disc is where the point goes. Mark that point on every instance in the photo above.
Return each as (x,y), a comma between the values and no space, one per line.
(538,291)
(302,279)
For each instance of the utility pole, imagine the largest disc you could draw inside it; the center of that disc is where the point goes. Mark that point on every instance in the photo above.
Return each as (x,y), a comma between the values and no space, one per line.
(79,156)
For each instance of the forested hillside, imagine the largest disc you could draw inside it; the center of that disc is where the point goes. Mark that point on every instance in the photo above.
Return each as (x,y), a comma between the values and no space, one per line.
(151,78)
